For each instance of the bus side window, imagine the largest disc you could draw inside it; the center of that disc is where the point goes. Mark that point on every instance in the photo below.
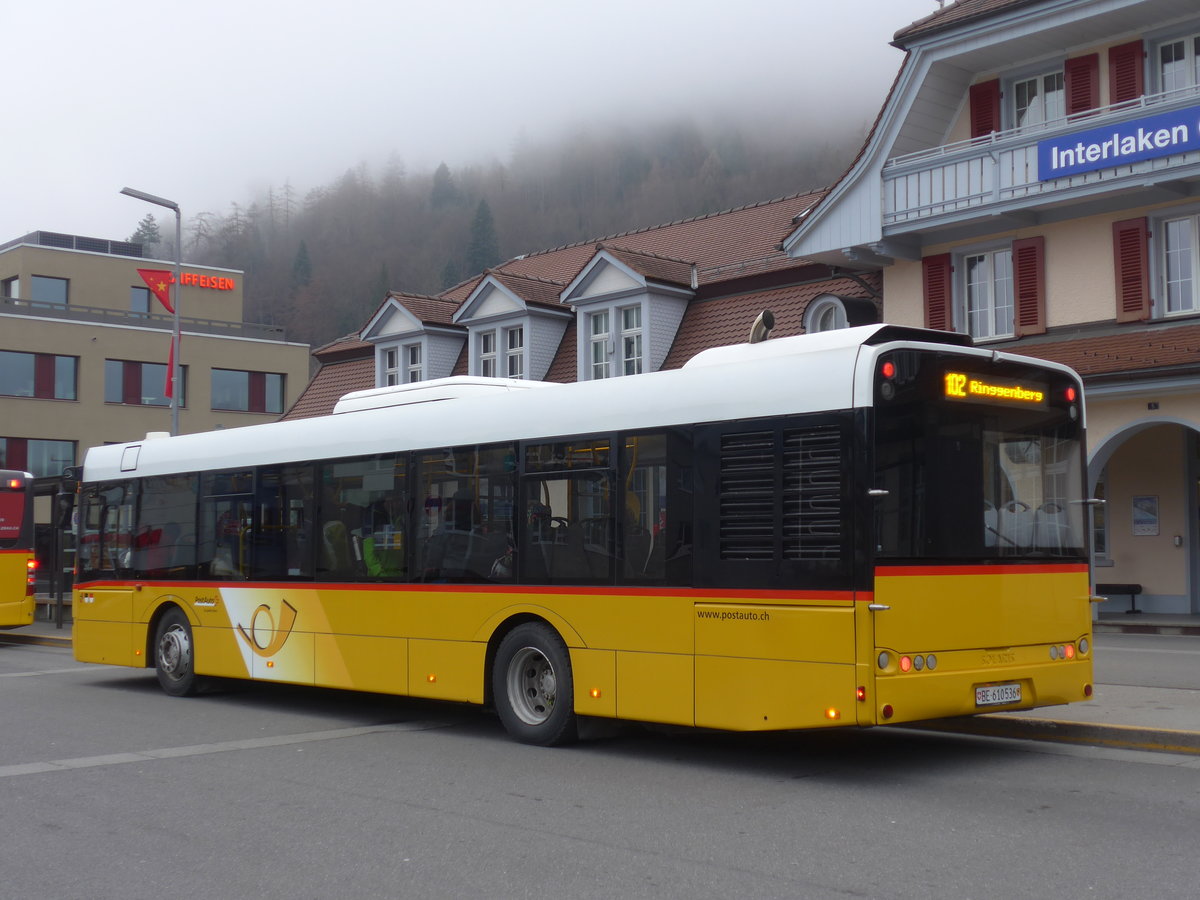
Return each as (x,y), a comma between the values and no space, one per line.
(226,525)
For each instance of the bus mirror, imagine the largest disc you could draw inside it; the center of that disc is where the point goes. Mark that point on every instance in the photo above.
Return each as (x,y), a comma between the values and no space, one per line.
(64,505)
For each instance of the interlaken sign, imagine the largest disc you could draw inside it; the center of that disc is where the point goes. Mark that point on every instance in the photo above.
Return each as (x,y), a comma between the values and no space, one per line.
(1119,144)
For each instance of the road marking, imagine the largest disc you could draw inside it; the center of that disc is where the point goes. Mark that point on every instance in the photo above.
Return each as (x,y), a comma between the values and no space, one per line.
(116,759)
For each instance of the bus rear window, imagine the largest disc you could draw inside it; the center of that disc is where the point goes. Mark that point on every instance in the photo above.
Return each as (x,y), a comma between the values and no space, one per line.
(998,475)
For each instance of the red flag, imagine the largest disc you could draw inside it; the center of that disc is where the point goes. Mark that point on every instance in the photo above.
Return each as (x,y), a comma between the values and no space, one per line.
(159,283)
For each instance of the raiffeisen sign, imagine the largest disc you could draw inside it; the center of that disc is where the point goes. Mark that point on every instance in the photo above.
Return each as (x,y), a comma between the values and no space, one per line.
(1119,144)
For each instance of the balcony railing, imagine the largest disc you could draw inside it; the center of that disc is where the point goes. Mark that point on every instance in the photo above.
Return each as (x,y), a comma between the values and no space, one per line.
(75,313)
(955,180)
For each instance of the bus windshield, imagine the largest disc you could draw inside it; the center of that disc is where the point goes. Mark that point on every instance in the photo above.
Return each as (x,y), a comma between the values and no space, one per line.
(978,480)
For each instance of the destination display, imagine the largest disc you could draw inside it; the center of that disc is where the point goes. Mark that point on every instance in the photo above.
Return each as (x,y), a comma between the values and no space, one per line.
(980,389)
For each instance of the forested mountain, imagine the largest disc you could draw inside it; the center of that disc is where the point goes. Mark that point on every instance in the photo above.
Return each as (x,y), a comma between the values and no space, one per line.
(319,265)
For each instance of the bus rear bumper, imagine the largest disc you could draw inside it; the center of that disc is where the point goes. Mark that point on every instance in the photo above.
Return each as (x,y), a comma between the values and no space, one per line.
(15,613)
(915,696)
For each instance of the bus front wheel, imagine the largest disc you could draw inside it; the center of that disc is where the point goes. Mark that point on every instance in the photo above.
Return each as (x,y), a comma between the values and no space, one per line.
(174,657)
(535,695)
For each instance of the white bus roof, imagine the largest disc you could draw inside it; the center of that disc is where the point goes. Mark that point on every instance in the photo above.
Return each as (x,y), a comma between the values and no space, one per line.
(807,373)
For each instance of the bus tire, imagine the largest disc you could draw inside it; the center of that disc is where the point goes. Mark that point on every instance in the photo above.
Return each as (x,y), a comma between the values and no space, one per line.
(533,686)
(174,655)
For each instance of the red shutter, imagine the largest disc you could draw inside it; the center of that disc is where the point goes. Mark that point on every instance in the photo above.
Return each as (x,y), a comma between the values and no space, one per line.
(1131,260)
(43,376)
(17,453)
(985,108)
(938,293)
(1126,72)
(1081,80)
(1029,286)
(257,400)
(131,383)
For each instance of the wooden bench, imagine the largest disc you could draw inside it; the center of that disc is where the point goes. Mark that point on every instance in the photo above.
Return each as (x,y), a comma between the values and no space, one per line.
(1131,589)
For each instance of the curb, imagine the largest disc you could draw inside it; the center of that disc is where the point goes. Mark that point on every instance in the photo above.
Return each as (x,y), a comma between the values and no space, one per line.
(43,640)
(1124,737)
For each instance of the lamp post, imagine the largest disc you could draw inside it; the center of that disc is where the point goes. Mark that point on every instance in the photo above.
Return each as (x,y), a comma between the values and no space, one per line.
(176,384)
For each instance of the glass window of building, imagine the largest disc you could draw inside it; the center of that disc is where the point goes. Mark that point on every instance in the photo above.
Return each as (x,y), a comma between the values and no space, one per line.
(44,289)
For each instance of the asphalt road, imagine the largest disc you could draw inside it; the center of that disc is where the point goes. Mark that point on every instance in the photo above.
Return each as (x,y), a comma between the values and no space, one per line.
(110,789)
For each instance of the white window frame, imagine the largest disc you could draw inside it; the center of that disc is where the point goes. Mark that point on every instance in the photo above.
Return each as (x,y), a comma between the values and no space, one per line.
(1188,76)
(985,289)
(632,339)
(826,313)
(390,365)
(486,343)
(413,363)
(1037,111)
(514,351)
(600,344)
(1177,262)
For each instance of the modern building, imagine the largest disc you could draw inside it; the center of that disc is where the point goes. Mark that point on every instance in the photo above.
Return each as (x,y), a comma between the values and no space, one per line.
(1033,180)
(84,347)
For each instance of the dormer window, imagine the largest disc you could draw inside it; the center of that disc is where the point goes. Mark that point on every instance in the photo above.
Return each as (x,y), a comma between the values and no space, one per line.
(514,355)
(487,354)
(601,341)
(412,370)
(391,366)
(631,340)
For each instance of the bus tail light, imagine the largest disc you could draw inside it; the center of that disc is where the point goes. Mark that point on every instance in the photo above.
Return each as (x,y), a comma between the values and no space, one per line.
(30,576)
(861,694)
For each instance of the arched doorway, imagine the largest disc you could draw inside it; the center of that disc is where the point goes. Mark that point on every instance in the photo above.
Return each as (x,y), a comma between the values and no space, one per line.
(1147,531)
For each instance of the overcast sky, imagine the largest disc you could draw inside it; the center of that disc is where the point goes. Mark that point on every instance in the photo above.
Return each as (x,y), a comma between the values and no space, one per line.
(207,103)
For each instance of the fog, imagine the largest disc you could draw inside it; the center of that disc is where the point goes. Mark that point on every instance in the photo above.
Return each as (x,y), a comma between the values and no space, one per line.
(209,104)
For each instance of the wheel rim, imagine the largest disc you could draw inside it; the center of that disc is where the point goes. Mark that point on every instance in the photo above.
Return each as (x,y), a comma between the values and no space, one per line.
(175,652)
(532,686)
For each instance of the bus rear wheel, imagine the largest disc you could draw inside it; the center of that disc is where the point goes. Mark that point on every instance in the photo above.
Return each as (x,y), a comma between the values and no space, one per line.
(535,694)
(174,657)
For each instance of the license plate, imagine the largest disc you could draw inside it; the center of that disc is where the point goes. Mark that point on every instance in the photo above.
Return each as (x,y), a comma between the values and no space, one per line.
(997,694)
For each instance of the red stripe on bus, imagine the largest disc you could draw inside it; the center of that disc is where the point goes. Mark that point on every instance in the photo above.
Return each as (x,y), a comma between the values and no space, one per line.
(538,589)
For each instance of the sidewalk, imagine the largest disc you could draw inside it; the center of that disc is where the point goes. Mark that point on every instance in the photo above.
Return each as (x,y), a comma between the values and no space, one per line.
(1132,718)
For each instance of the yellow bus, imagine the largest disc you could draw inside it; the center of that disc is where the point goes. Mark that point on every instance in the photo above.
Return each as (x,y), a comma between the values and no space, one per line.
(18,565)
(867,526)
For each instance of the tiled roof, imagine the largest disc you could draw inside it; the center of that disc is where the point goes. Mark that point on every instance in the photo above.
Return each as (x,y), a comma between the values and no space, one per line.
(331,382)
(348,347)
(653,266)
(429,310)
(531,288)
(723,245)
(953,15)
(1123,352)
(727,320)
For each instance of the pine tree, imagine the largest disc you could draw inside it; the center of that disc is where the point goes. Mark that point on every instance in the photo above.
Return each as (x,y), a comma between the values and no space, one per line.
(483,249)
(444,191)
(147,232)
(301,267)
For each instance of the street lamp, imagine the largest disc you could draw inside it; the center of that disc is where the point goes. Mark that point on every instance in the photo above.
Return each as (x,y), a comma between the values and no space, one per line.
(176,384)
